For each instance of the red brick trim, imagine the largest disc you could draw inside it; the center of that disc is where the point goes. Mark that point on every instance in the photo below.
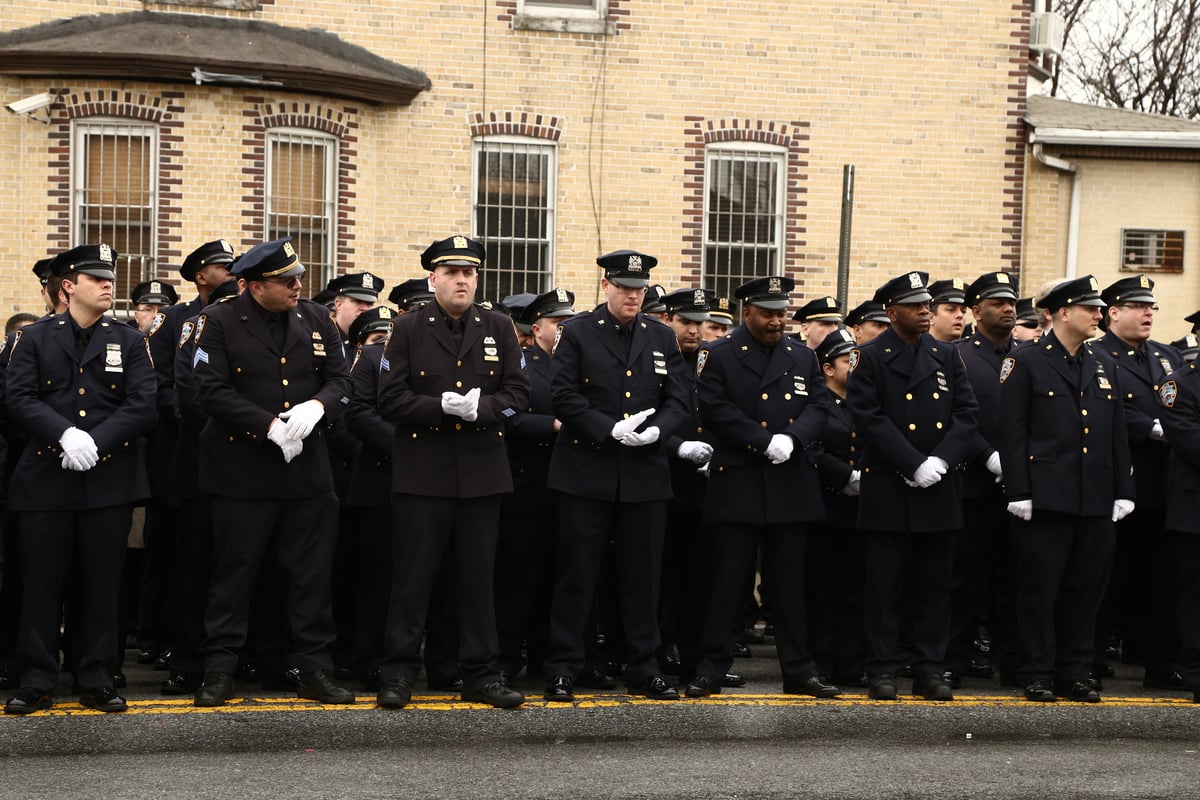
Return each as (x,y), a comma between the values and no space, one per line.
(516,123)
(618,13)
(1015,141)
(793,137)
(163,109)
(260,116)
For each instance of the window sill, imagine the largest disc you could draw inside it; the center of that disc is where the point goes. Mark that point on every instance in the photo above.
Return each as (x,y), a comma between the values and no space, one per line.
(556,24)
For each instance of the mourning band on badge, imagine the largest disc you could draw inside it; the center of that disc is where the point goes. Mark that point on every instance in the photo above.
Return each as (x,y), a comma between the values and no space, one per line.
(1006,368)
(113,358)
(357,356)
(490,351)
(799,386)
(149,355)
(1168,393)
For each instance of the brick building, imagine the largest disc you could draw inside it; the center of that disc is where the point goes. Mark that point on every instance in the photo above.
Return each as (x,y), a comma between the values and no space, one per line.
(710,134)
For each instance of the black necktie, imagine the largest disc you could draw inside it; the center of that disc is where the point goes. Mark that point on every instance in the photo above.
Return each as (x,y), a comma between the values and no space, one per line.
(82,337)
(456,329)
(275,326)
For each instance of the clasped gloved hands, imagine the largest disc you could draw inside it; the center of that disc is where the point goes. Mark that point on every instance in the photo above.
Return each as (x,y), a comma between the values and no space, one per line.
(695,452)
(278,433)
(930,472)
(1121,509)
(853,486)
(303,418)
(631,424)
(79,451)
(462,405)
(1021,509)
(993,466)
(780,448)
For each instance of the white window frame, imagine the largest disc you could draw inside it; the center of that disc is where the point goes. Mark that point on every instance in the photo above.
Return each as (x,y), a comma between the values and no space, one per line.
(478,144)
(549,8)
(1157,247)
(547,15)
(719,151)
(329,203)
(81,130)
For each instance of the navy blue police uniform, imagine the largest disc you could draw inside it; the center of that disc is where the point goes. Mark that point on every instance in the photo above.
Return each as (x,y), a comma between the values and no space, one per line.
(912,404)
(750,394)
(1065,448)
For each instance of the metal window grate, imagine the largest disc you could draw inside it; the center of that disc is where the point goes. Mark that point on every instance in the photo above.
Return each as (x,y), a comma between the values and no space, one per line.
(115,198)
(743,215)
(1149,250)
(514,215)
(302,199)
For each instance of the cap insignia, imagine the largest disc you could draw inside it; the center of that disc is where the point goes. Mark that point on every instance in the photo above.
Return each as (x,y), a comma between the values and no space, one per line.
(288,250)
(635,263)
(698,297)
(105,253)
(914,280)
(460,242)
(774,285)
(226,246)
(561,294)
(1001,277)
(368,282)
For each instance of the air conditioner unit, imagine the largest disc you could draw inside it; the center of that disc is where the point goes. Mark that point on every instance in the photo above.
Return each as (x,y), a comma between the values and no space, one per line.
(1046,32)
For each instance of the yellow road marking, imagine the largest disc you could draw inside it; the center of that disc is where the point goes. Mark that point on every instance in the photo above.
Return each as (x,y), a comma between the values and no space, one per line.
(242,705)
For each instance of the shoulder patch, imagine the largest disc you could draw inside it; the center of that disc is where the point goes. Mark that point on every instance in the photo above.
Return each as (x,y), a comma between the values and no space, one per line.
(159,319)
(186,333)
(1168,393)
(701,360)
(1006,368)
(557,337)
(146,341)
(200,326)
(16,340)
(3,343)
(357,356)
(854,354)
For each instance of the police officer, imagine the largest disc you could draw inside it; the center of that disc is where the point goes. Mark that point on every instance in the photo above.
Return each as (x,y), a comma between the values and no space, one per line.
(867,320)
(618,385)
(410,295)
(1141,594)
(528,516)
(1028,326)
(1065,456)
(1179,398)
(653,304)
(514,306)
(818,318)
(948,309)
(835,559)
(914,413)
(450,376)
(983,566)
(722,316)
(150,297)
(269,372)
(763,400)
(82,388)
(353,294)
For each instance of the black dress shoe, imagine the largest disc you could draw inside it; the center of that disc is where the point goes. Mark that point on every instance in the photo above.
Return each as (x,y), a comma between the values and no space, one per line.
(103,698)
(180,683)
(27,701)
(452,685)
(1079,691)
(932,687)
(953,678)
(495,694)
(1095,682)
(559,690)
(1161,679)
(669,665)
(396,693)
(813,687)
(858,681)
(319,686)
(595,679)
(978,668)
(286,681)
(1041,691)
(733,680)
(702,686)
(655,688)
(215,689)
(882,687)
(742,650)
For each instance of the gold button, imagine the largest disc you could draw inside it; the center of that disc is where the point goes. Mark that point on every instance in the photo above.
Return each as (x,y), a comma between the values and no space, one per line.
(414,436)
(787,396)
(458,426)
(852,450)
(82,390)
(112,386)
(458,363)
(48,382)
(763,423)
(82,413)
(1086,431)
(628,373)
(912,426)
(1085,450)
(458,384)
(491,372)
(1050,394)
(699,429)
(908,396)
(421,373)
(939,426)
(1084,412)
(627,394)
(237,369)
(936,395)
(853,434)
(764,395)
(282,360)
(286,404)
(626,415)
(574,441)
(285,382)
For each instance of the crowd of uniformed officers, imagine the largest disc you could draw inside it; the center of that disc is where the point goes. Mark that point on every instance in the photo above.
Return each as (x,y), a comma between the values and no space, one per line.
(333,492)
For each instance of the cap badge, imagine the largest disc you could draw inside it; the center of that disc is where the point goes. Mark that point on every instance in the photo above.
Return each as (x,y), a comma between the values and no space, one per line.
(1001,277)
(288,250)
(460,242)
(1144,281)
(698,298)
(830,302)
(105,253)
(155,287)
(368,281)
(561,294)
(1092,283)
(226,246)
(914,280)
(957,283)
(774,285)
(635,263)
(723,303)
(385,312)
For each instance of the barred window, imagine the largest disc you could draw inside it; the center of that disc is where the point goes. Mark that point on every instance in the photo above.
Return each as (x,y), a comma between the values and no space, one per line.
(302,199)
(589,8)
(1148,250)
(743,214)
(114,196)
(514,214)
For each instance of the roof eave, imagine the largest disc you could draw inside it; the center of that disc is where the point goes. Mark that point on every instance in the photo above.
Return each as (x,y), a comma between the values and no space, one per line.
(375,91)
(1080,136)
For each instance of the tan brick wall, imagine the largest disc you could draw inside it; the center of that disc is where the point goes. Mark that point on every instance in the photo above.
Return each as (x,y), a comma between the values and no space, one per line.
(919,95)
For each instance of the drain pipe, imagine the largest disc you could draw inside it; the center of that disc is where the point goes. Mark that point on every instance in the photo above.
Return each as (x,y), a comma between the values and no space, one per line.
(1076,200)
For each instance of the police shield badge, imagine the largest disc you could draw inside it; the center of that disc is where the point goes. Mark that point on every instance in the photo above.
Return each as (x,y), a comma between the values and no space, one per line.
(112,358)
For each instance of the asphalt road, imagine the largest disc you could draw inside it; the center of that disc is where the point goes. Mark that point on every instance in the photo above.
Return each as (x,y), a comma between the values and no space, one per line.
(745,743)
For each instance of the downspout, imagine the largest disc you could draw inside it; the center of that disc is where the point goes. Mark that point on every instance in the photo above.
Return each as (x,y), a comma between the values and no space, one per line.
(1076,200)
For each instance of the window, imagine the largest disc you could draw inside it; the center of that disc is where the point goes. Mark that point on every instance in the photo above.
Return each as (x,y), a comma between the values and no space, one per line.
(514,214)
(564,16)
(1144,250)
(563,8)
(114,197)
(743,214)
(302,199)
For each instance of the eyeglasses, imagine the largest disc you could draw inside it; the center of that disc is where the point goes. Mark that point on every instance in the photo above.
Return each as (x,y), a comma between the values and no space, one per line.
(1139,306)
(293,281)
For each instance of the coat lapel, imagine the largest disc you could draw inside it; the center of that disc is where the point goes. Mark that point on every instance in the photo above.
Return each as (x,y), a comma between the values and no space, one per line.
(256,326)
(607,334)
(64,334)
(472,332)
(779,363)
(748,351)
(927,359)
(638,344)
(1058,359)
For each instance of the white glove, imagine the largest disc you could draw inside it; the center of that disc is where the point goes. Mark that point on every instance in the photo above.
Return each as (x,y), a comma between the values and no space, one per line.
(1156,432)
(1021,509)
(703,469)
(640,438)
(278,433)
(853,485)
(780,448)
(1122,509)
(993,464)
(930,472)
(303,418)
(78,449)
(631,423)
(695,452)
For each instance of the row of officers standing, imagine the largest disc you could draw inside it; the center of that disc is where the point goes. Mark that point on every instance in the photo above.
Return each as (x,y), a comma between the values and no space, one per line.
(353,488)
